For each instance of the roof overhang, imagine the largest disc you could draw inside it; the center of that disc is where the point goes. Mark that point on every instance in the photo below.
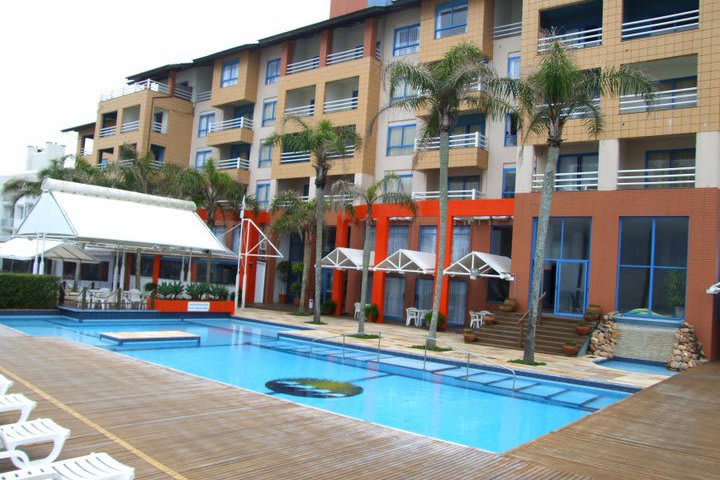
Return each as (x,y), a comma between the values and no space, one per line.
(27,249)
(346,259)
(408,261)
(479,264)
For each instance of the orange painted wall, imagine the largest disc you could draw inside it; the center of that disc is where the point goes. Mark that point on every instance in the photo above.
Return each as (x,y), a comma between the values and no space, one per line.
(342,7)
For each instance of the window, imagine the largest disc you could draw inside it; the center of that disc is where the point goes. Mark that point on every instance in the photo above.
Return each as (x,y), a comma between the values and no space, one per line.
(401,140)
(402,184)
(508,185)
(201,158)
(511,129)
(394,298)
(428,238)
(500,244)
(220,232)
(513,70)
(402,90)
(262,195)
(272,71)
(204,122)
(424,293)
(577,172)
(266,153)
(460,242)
(667,159)
(451,18)
(652,268)
(372,236)
(407,40)
(268,113)
(158,152)
(465,182)
(457,302)
(398,238)
(229,75)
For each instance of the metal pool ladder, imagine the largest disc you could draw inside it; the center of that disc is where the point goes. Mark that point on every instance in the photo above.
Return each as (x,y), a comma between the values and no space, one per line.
(343,335)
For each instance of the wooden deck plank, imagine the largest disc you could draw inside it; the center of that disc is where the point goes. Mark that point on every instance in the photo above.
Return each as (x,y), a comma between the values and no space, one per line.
(168,424)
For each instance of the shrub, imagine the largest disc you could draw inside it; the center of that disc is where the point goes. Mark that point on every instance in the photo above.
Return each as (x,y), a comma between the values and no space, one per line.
(295,287)
(428,318)
(372,312)
(22,290)
(328,307)
(170,290)
(196,291)
(218,292)
(151,287)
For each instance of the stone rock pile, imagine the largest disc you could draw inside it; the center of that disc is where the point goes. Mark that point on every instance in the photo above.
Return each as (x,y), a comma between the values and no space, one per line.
(687,352)
(604,338)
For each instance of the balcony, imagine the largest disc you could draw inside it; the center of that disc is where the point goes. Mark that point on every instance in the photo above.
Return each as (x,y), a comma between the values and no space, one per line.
(664,100)
(234,164)
(301,111)
(345,56)
(126,162)
(128,127)
(149,85)
(569,182)
(159,127)
(578,25)
(466,150)
(641,19)
(294,157)
(467,140)
(242,122)
(349,152)
(303,65)
(234,130)
(584,112)
(672,177)
(580,39)
(108,131)
(202,96)
(340,105)
(507,30)
(473,194)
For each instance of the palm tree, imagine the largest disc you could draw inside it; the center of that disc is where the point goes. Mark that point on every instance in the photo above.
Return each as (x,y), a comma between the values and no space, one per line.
(348,193)
(558,91)
(323,141)
(444,88)
(298,216)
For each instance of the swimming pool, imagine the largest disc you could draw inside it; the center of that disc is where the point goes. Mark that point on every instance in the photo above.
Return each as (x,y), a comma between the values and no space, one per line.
(638,366)
(476,407)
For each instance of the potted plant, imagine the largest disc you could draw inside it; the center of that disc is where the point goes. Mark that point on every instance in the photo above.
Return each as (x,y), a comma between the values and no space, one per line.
(490,319)
(509,305)
(295,288)
(583,329)
(428,318)
(371,312)
(328,307)
(571,348)
(283,269)
(675,291)
(593,313)
(469,335)
(196,291)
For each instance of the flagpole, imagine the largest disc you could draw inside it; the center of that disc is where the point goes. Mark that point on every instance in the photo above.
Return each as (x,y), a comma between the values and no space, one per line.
(237,275)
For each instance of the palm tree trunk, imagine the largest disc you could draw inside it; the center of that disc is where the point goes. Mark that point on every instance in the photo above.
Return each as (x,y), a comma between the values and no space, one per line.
(442,234)
(319,209)
(138,264)
(208,270)
(306,270)
(365,268)
(78,272)
(539,259)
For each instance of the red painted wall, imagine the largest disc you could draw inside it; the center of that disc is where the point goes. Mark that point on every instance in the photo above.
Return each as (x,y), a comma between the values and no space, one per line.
(342,7)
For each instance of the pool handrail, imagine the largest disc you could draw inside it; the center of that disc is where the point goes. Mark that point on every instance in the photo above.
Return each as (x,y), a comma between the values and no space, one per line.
(343,335)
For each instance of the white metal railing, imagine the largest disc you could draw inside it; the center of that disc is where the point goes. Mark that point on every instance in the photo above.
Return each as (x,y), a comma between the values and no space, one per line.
(582,112)
(126,162)
(378,51)
(581,39)
(662,100)
(507,30)
(242,122)
(302,198)
(569,181)
(340,198)
(310,64)
(294,157)
(108,131)
(86,152)
(181,92)
(159,127)
(476,87)
(349,152)
(345,56)
(234,164)
(202,96)
(465,140)
(674,22)
(341,105)
(302,111)
(472,194)
(130,126)
(134,88)
(658,177)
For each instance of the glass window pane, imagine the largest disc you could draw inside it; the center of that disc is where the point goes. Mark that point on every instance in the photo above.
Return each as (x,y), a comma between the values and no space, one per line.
(668,294)
(576,239)
(457,301)
(394,297)
(460,242)
(671,241)
(552,242)
(633,290)
(635,241)
(428,238)
(395,137)
(397,238)
(424,293)
(571,288)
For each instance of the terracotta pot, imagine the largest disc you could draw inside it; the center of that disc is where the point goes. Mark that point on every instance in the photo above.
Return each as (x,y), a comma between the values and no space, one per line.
(571,350)
(296,302)
(282,298)
(583,330)
(469,336)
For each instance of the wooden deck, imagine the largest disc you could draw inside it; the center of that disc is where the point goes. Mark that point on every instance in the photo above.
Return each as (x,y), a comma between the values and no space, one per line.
(169,424)
(668,431)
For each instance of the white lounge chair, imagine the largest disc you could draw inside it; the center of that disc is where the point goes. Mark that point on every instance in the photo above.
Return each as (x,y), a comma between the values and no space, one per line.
(41,430)
(411,316)
(356,315)
(5,383)
(134,298)
(96,466)
(17,402)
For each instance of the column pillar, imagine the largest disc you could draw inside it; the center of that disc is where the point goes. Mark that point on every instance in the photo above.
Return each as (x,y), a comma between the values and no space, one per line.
(286,56)
(382,226)
(326,38)
(445,287)
(608,163)
(339,275)
(707,169)
(156,269)
(525,169)
(370,37)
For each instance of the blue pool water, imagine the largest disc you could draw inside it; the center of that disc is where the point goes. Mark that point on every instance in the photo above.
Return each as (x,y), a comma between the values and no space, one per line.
(653,368)
(475,407)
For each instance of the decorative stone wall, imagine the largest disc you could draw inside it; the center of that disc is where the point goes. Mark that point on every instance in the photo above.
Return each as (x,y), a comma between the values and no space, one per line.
(687,352)
(604,338)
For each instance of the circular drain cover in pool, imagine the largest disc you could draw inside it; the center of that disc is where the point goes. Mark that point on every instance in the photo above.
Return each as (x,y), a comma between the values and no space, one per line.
(314,387)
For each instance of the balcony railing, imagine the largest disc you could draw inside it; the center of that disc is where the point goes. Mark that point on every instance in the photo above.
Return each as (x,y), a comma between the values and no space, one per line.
(473,194)
(657,177)
(349,152)
(341,105)
(582,39)
(378,51)
(126,162)
(583,112)
(302,198)
(569,181)
(202,96)
(303,65)
(108,131)
(507,30)
(86,152)
(466,140)
(662,100)
(294,157)
(242,122)
(134,88)
(345,56)
(181,92)
(159,127)
(672,23)
(339,198)
(130,127)
(234,164)
(301,111)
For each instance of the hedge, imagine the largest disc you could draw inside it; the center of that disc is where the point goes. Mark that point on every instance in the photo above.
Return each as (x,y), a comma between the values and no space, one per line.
(25,291)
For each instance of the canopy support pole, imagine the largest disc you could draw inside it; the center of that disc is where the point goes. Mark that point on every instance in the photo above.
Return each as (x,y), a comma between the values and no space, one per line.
(37,251)
(42,257)
(240,247)
(189,270)
(182,269)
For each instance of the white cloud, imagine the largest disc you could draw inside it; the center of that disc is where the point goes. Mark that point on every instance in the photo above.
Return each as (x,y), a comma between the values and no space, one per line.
(59,56)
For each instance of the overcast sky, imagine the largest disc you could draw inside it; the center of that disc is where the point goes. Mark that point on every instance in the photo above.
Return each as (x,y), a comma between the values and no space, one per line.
(59,56)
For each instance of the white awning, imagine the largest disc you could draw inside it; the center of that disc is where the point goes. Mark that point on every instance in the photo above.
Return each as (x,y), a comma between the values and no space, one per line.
(713,289)
(117,219)
(408,261)
(346,259)
(479,264)
(25,249)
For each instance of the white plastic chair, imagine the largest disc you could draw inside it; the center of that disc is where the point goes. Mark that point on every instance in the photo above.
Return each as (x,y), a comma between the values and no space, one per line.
(411,316)
(17,402)
(135,297)
(96,466)
(41,430)
(477,319)
(420,317)
(356,315)
(5,383)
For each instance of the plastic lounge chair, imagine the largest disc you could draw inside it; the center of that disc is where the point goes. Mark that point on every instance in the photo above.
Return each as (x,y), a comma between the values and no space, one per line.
(357,310)
(5,383)
(41,430)
(96,466)
(19,402)
(135,298)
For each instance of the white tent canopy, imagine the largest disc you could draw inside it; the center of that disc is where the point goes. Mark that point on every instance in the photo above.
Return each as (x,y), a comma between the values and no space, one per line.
(346,259)
(713,289)
(479,264)
(26,249)
(408,261)
(117,219)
